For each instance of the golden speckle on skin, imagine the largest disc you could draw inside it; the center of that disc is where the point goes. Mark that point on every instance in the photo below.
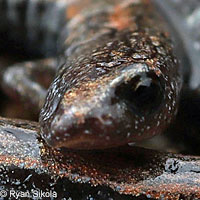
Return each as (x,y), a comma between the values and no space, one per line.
(74,7)
(122,17)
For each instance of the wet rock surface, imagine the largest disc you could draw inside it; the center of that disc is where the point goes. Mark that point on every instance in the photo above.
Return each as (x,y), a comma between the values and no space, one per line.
(28,165)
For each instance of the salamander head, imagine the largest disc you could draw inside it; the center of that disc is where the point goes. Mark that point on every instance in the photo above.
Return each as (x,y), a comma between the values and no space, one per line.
(112,102)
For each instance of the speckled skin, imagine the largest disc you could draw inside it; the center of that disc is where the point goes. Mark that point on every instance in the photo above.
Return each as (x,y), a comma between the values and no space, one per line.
(105,50)
(29,81)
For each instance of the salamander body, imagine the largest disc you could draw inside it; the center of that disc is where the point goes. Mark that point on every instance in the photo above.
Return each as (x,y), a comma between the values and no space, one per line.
(118,80)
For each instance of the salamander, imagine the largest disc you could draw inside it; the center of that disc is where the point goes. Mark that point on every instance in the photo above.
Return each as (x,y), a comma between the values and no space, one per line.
(118,76)
(121,80)
(114,65)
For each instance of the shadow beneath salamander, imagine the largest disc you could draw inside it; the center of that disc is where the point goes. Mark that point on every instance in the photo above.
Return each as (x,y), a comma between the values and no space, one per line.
(185,130)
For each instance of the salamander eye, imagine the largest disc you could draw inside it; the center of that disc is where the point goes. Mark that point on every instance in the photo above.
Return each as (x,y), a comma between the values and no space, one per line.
(143,94)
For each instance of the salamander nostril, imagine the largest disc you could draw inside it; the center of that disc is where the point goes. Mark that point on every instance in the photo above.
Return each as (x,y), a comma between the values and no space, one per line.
(143,94)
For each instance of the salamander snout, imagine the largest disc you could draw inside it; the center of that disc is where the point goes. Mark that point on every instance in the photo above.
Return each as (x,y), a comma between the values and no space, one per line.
(127,106)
